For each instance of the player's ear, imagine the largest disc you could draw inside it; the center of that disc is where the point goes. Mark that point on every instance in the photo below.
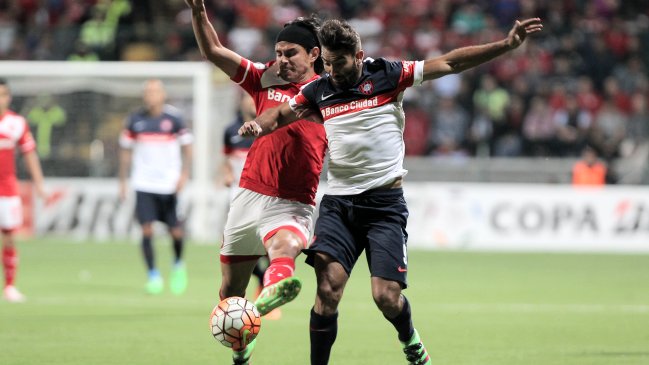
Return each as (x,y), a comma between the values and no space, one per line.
(359,56)
(314,53)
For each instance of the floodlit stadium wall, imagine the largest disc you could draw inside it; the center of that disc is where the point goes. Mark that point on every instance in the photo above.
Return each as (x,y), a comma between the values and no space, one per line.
(443,216)
(526,217)
(455,216)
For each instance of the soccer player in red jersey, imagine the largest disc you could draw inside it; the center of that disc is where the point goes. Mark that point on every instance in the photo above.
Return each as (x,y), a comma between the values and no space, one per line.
(271,213)
(14,133)
(360,103)
(235,149)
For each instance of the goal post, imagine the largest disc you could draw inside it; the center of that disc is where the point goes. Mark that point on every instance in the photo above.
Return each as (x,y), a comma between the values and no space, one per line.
(91,91)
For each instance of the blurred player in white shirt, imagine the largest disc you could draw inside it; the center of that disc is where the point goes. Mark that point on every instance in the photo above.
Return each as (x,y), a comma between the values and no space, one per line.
(156,145)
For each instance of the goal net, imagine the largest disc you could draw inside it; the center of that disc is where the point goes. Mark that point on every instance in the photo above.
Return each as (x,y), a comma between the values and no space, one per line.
(76,111)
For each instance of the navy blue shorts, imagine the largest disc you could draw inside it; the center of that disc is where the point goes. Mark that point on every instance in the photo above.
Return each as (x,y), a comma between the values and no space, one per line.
(150,207)
(374,221)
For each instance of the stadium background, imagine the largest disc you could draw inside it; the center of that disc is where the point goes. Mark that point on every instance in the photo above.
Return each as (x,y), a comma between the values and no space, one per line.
(589,61)
(523,118)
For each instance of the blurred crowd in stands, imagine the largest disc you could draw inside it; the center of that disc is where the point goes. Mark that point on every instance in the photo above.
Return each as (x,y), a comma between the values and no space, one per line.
(582,82)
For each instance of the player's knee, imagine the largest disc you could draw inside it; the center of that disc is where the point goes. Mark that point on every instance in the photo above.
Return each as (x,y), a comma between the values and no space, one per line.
(8,240)
(284,245)
(147,230)
(177,233)
(330,295)
(386,300)
(294,244)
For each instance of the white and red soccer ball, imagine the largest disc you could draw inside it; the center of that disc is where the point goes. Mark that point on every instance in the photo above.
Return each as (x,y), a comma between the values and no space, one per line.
(231,318)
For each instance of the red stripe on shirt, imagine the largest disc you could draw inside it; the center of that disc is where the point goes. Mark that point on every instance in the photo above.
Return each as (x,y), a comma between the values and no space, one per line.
(155,137)
(358,105)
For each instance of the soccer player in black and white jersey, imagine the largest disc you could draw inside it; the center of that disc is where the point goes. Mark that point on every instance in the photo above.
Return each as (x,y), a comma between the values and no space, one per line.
(156,146)
(359,102)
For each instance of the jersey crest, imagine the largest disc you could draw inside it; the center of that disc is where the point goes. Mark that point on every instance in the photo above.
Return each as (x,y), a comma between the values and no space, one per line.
(166,125)
(366,87)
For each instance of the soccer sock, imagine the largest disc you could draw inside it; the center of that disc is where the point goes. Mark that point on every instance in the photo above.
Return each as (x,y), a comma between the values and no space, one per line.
(279,268)
(10,264)
(147,251)
(178,250)
(403,322)
(323,331)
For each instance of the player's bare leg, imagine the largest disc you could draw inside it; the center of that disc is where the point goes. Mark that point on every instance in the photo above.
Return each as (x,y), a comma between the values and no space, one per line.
(234,281)
(178,278)
(154,284)
(396,309)
(331,278)
(10,265)
(280,286)
(235,277)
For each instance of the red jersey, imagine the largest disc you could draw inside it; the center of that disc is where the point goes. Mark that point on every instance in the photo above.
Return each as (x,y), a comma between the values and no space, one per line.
(286,163)
(14,132)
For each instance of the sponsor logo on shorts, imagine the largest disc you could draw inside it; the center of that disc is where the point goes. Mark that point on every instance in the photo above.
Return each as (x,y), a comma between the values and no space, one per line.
(401,269)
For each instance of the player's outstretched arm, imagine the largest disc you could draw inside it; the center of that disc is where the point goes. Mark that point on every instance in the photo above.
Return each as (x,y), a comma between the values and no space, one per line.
(208,41)
(461,59)
(269,120)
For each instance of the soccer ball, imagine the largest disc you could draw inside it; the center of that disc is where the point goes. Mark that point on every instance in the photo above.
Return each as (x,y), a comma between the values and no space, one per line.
(231,318)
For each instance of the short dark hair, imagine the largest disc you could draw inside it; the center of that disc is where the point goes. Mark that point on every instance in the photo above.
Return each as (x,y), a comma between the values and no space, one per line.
(338,35)
(312,24)
(3,82)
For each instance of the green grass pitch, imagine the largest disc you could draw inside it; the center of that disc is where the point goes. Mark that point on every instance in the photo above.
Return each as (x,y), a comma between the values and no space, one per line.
(86,305)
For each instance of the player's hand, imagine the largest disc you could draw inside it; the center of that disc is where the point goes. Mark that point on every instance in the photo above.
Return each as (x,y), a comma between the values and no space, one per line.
(228,181)
(250,129)
(195,4)
(40,192)
(227,178)
(52,197)
(521,30)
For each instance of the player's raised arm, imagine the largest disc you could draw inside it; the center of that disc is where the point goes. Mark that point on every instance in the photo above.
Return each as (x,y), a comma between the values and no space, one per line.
(208,41)
(461,59)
